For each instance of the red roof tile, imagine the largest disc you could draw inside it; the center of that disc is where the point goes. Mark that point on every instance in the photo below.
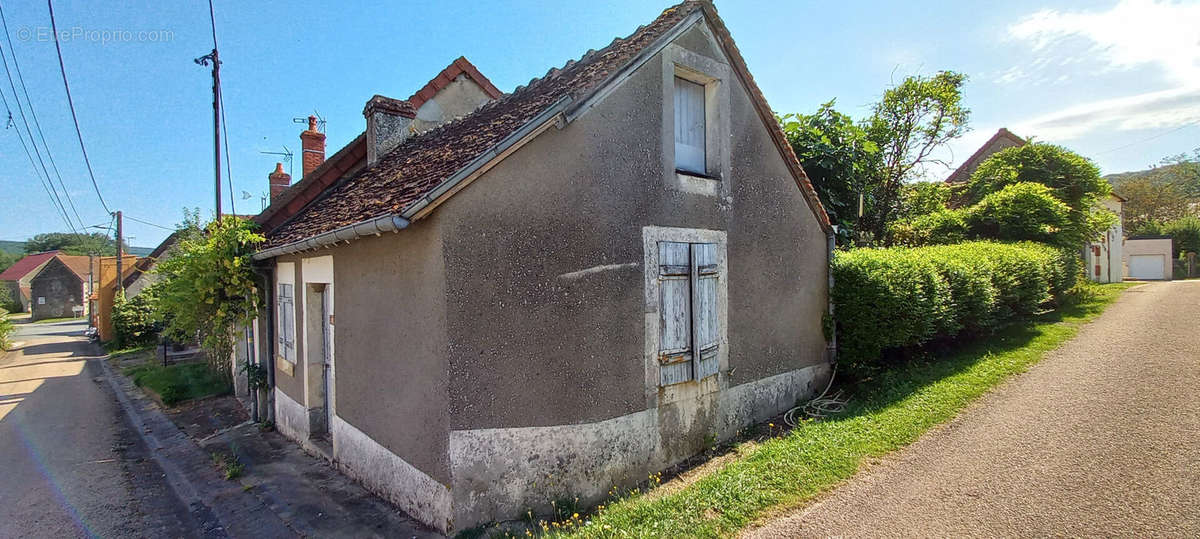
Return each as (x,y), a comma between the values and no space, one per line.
(460,66)
(418,165)
(25,265)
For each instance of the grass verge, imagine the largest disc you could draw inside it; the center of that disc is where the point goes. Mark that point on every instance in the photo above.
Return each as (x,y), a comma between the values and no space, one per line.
(178,383)
(887,413)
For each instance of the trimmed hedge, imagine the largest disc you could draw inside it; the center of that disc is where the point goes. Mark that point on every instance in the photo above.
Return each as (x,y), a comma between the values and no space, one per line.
(900,297)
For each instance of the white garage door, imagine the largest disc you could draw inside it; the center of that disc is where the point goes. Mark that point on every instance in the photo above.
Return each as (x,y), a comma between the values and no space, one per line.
(1146,267)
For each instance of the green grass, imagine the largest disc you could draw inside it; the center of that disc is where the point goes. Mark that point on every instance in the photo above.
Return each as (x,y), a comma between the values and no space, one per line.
(111,348)
(53,320)
(178,383)
(885,414)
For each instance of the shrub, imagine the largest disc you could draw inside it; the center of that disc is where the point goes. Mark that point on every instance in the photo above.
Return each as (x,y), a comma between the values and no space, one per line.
(7,302)
(134,320)
(937,228)
(6,329)
(1186,233)
(901,297)
(1020,212)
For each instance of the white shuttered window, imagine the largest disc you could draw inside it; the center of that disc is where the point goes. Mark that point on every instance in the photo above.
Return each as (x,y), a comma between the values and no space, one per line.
(687,275)
(689,126)
(286,319)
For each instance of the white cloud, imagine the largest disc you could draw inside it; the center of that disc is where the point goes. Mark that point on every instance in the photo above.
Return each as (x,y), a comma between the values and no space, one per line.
(1132,34)
(1153,110)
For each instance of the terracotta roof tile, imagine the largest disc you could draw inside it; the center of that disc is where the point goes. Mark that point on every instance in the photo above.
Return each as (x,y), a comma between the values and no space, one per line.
(25,265)
(418,165)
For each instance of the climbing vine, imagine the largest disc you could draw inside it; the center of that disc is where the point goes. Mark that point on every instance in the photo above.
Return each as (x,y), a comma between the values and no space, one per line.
(208,292)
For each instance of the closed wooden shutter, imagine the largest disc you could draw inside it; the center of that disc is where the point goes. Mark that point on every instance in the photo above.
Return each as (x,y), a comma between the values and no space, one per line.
(688,275)
(287,323)
(704,311)
(689,126)
(675,343)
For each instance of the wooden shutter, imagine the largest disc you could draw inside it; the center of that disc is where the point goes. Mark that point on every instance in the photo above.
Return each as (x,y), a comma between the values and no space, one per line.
(704,310)
(689,126)
(287,325)
(675,343)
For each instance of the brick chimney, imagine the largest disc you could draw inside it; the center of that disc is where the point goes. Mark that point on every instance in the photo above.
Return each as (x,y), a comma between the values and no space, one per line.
(388,123)
(312,147)
(279,180)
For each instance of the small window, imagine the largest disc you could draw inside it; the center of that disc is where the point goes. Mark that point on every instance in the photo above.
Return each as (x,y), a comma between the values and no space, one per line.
(687,276)
(41,300)
(689,126)
(287,322)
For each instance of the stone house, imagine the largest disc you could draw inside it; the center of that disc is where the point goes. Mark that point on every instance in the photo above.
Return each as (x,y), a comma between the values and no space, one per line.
(59,289)
(563,289)
(16,279)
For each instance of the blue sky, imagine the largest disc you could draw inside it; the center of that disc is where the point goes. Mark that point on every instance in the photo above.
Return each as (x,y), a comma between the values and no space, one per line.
(1116,81)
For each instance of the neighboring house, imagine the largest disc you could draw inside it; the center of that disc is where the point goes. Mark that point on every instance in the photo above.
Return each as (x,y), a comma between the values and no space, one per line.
(59,288)
(1103,258)
(105,292)
(141,276)
(1003,139)
(17,277)
(1149,258)
(580,283)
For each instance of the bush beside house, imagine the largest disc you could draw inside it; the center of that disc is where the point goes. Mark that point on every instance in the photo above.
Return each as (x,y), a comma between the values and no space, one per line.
(899,297)
(134,321)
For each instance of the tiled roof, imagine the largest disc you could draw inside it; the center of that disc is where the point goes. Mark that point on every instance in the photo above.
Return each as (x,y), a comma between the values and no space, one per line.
(963,172)
(417,166)
(25,265)
(144,264)
(460,66)
(78,264)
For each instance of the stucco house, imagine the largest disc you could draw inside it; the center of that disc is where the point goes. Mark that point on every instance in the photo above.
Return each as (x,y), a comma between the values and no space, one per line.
(1102,259)
(142,276)
(59,288)
(16,279)
(565,288)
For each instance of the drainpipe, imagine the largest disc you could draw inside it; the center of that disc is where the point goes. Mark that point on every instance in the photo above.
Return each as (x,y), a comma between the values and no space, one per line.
(830,246)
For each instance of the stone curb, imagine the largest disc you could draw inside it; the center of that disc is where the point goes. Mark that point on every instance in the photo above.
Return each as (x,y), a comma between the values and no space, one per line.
(189,470)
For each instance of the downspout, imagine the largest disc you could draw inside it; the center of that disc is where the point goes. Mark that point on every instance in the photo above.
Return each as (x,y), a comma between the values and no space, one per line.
(830,246)
(269,335)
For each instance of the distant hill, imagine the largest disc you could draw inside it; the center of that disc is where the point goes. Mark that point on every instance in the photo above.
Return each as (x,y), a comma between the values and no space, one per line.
(18,248)
(1186,175)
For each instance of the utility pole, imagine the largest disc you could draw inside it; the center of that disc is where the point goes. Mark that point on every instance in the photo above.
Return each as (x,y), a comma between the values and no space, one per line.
(120,239)
(216,75)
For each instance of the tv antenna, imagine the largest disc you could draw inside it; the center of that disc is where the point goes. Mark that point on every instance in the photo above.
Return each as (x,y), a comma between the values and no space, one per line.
(287,157)
(304,120)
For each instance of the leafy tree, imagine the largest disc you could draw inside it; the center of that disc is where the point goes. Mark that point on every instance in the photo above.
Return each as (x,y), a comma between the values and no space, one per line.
(134,321)
(1150,201)
(923,198)
(910,122)
(1021,211)
(1071,178)
(1186,233)
(208,288)
(8,259)
(939,227)
(838,158)
(74,244)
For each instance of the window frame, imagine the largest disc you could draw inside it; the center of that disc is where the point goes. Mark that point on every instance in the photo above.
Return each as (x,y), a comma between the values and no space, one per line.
(656,392)
(715,76)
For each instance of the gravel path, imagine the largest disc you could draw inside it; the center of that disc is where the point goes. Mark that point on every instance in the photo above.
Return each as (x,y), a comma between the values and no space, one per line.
(1100,438)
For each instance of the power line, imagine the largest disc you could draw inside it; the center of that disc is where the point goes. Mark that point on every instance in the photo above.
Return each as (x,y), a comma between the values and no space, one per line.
(147,222)
(1147,139)
(32,142)
(63,69)
(212,19)
(54,200)
(29,103)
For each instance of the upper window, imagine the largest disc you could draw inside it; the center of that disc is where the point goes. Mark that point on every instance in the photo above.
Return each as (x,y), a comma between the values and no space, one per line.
(689,127)
(286,319)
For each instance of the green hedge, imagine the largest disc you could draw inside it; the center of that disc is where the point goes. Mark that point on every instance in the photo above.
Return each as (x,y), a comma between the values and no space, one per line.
(900,297)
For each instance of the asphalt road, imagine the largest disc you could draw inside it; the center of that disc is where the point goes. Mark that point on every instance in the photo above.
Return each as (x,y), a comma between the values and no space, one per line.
(1101,438)
(69,464)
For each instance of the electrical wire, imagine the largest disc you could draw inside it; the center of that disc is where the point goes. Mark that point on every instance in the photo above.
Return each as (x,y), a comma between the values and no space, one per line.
(32,112)
(54,200)
(225,133)
(74,118)
(32,142)
(135,219)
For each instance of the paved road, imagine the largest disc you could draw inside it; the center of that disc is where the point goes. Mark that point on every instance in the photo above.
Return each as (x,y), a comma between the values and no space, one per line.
(69,464)
(1100,438)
